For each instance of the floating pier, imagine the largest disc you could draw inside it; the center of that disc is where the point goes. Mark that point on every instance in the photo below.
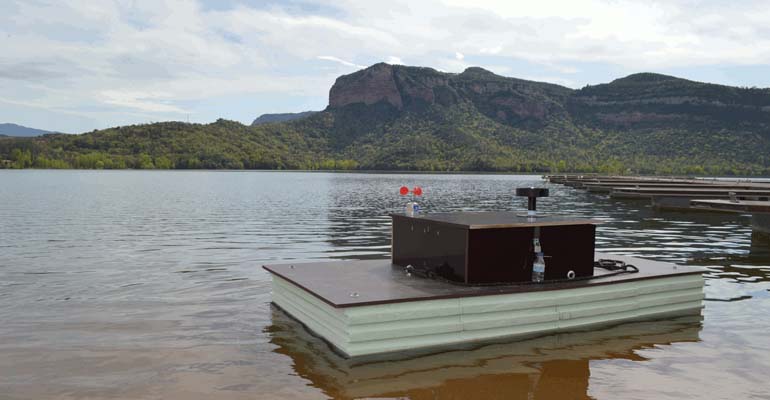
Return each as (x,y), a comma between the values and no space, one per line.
(609,187)
(667,193)
(582,180)
(683,194)
(680,198)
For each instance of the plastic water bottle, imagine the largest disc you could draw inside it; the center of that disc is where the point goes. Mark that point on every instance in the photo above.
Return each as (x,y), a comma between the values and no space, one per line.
(538,268)
(412,209)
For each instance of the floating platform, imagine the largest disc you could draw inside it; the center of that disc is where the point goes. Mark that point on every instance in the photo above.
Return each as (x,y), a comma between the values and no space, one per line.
(372,307)
(579,180)
(683,194)
(680,198)
(740,206)
(668,193)
(725,192)
(609,187)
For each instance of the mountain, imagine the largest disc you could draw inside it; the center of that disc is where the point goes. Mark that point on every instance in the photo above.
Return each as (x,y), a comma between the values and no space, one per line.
(394,117)
(20,131)
(478,120)
(413,89)
(653,100)
(270,118)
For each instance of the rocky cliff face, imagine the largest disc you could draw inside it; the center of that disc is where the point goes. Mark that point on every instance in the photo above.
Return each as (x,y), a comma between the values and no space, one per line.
(412,88)
(639,100)
(368,86)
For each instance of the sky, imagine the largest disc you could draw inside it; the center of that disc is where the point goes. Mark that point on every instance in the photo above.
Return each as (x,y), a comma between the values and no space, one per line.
(81,65)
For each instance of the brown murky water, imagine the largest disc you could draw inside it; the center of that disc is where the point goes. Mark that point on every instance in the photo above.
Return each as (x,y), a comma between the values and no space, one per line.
(128,284)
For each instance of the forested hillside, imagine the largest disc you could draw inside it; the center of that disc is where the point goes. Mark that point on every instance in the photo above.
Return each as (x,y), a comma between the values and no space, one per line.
(283,117)
(408,118)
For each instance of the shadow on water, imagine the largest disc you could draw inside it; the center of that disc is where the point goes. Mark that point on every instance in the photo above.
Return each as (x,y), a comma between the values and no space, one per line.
(548,367)
(760,247)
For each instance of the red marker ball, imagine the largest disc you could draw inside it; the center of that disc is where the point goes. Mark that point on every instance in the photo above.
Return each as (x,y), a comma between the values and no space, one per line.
(417,191)
(404,190)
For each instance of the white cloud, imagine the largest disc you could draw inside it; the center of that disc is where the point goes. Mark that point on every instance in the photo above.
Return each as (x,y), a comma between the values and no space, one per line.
(144,101)
(491,50)
(112,59)
(341,61)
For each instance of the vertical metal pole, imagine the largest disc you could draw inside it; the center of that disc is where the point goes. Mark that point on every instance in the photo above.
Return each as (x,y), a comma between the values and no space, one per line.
(532,204)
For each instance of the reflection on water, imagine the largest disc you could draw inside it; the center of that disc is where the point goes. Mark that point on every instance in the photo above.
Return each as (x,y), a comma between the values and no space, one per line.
(548,367)
(133,284)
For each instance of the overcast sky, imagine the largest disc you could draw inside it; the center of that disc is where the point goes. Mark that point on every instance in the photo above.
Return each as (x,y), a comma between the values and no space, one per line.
(94,64)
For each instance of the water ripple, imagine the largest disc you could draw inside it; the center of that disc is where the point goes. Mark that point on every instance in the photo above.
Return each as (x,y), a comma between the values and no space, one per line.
(164,263)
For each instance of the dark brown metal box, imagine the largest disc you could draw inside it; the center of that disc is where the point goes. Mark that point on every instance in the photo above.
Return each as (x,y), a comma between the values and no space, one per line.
(490,247)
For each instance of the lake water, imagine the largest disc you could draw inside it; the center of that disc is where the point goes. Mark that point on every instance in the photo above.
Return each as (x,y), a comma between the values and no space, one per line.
(136,284)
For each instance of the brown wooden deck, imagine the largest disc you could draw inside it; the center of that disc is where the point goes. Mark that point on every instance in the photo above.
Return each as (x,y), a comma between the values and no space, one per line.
(498,219)
(359,283)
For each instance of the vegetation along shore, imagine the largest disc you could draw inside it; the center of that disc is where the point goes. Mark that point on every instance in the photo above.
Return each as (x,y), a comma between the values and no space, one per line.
(393,117)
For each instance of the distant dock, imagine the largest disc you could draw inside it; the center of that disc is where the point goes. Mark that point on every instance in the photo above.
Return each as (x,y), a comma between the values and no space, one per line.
(682,194)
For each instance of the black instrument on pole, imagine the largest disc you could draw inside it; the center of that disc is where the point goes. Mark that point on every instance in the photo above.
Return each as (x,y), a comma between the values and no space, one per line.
(532,193)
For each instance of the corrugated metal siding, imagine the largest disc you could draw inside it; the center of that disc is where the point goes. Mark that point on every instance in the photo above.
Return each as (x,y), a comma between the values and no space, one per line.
(391,327)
